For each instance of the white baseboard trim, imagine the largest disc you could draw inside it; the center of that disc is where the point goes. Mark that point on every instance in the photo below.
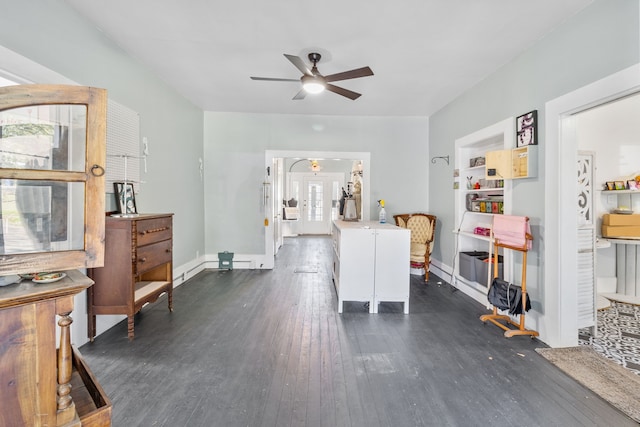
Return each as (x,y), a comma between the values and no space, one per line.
(186,271)
(444,271)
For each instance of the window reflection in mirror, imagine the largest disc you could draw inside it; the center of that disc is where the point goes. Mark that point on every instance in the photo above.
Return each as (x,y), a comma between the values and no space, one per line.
(43,137)
(41,216)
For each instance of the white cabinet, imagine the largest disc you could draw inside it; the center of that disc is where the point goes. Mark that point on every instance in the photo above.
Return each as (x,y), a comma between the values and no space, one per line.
(371,263)
(353,262)
(475,208)
(392,265)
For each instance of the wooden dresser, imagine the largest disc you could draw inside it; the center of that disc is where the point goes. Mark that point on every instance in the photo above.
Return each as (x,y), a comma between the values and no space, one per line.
(40,386)
(138,267)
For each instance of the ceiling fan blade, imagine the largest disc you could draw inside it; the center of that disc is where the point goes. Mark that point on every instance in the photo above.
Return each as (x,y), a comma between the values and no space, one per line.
(352,74)
(300,95)
(299,63)
(342,91)
(270,79)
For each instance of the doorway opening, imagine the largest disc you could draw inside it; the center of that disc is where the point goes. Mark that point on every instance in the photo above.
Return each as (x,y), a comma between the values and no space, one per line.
(305,190)
(317,197)
(560,324)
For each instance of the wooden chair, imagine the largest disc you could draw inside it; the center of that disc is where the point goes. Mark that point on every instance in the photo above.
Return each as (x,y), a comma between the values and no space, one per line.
(423,231)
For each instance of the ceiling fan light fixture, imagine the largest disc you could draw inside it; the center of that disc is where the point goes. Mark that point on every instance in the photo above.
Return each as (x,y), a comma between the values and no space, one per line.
(313,84)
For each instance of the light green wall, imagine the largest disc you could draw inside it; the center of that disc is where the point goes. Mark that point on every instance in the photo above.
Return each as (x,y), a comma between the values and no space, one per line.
(600,40)
(53,35)
(235,144)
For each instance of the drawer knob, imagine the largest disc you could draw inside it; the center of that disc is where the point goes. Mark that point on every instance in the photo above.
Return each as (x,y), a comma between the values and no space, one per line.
(168,250)
(143,260)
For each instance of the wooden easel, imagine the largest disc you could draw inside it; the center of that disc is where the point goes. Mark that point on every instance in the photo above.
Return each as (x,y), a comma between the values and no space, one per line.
(495,318)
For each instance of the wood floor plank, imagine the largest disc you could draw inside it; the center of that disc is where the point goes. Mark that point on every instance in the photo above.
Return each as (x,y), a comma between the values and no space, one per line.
(268,348)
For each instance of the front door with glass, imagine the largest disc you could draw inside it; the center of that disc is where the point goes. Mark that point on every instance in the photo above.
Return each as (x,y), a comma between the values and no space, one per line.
(320,195)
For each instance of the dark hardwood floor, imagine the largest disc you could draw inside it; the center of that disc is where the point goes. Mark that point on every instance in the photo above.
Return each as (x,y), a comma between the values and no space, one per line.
(268,348)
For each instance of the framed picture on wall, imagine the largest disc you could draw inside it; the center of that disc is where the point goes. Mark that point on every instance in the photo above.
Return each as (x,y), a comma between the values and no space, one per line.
(620,185)
(125,198)
(527,129)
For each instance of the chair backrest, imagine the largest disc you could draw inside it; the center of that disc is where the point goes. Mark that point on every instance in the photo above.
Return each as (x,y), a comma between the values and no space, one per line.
(422,226)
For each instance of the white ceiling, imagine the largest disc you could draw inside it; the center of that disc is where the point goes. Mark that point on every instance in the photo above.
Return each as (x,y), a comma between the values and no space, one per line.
(424,53)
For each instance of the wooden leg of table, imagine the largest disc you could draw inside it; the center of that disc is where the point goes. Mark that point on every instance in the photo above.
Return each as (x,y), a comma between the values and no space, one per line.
(66,412)
(91,318)
(91,326)
(426,265)
(130,327)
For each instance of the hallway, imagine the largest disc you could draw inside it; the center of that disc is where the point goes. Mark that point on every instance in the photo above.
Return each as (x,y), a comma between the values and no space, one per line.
(268,348)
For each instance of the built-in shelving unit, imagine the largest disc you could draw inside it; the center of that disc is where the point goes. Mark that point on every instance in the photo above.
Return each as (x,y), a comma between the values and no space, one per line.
(627,250)
(475,208)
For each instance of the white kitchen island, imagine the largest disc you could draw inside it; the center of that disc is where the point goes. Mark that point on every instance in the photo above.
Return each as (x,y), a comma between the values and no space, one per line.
(371,263)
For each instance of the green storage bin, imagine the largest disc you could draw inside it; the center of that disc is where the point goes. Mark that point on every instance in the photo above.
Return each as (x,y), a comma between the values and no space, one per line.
(225,260)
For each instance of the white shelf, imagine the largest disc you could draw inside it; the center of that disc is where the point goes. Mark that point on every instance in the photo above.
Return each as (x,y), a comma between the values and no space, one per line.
(483,213)
(475,169)
(474,235)
(620,191)
(484,190)
(625,241)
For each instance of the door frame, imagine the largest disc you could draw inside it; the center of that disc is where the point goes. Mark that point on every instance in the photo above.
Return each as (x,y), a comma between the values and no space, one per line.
(559,326)
(270,155)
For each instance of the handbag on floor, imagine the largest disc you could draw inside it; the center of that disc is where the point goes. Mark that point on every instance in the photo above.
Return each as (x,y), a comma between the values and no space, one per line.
(506,296)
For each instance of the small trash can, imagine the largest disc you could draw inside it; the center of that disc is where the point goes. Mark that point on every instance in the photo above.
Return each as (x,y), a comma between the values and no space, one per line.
(225,260)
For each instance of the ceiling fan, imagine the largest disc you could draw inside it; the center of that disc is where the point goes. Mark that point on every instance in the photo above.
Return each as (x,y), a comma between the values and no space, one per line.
(314,82)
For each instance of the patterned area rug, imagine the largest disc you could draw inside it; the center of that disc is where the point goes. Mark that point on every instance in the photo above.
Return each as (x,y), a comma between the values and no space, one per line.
(616,385)
(618,337)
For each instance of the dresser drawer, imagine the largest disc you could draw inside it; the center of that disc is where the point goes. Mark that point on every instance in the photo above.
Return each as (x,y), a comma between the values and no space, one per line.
(153,255)
(153,230)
